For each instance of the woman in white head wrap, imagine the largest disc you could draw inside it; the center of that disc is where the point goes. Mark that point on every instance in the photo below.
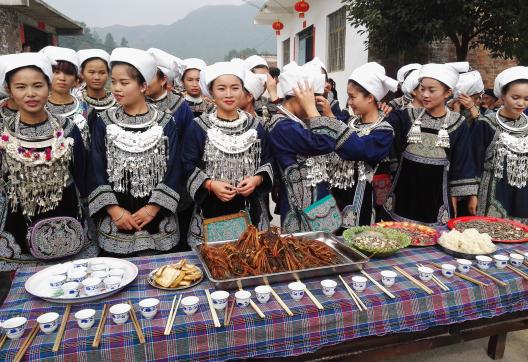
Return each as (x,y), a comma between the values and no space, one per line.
(468,95)
(352,166)
(135,164)
(432,153)
(227,160)
(254,87)
(401,76)
(500,142)
(8,106)
(411,90)
(44,164)
(191,69)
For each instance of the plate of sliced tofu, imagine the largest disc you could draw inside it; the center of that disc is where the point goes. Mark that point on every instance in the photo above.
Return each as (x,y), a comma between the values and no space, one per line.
(181,275)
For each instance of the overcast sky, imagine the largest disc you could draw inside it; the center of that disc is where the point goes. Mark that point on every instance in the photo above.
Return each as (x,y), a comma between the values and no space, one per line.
(132,12)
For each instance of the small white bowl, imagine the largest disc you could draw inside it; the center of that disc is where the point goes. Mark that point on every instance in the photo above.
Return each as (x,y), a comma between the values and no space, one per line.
(190,304)
(263,293)
(501,261)
(219,298)
(149,307)
(92,286)
(120,313)
(463,265)
(98,267)
(329,287)
(71,289)
(61,269)
(100,274)
(296,290)
(359,283)
(56,281)
(388,278)
(242,298)
(95,261)
(112,283)
(48,322)
(85,318)
(516,259)
(119,273)
(448,270)
(15,327)
(425,273)
(76,275)
(483,262)
(80,263)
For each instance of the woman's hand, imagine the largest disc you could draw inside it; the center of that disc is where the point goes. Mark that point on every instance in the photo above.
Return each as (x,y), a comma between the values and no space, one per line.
(306,97)
(122,218)
(385,108)
(271,87)
(249,184)
(472,205)
(146,214)
(222,190)
(323,105)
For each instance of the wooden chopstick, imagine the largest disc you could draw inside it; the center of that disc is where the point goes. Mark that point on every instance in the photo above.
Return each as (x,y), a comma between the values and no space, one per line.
(381,287)
(136,323)
(3,340)
(437,281)
(481,272)
(100,327)
(413,280)
(312,297)
(22,351)
(229,313)
(355,297)
(62,328)
(257,309)
(216,321)
(518,272)
(465,277)
(281,302)
(172,316)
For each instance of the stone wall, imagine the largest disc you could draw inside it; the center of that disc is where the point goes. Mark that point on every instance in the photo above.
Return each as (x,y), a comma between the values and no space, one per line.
(9,31)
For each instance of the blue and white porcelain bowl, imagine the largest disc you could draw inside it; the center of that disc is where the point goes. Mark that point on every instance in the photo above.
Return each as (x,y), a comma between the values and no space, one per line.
(448,270)
(15,327)
(92,286)
(388,278)
(219,298)
(48,322)
(501,261)
(56,282)
(85,318)
(119,313)
(190,304)
(359,283)
(263,293)
(516,259)
(463,265)
(77,275)
(329,287)
(112,283)
(296,290)
(149,307)
(70,289)
(425,273)
(242,298)
(80,263)
(483,262)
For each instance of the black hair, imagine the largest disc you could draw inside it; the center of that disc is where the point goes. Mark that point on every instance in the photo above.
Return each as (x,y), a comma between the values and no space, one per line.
(214,80)
(160,74)
(359,88)
(260,66)
(66,68)
(274,72)
(9,75)
(507,87)
(333,84)
(132,72)
(94,58)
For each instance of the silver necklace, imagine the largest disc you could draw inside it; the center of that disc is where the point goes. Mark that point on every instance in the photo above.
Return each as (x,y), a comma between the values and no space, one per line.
(146,124)
(508,128)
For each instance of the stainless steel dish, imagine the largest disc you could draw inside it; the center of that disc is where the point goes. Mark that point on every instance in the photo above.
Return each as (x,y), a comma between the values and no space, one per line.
(353,260)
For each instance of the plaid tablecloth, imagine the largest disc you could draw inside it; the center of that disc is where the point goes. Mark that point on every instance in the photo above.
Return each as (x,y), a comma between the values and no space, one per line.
(195,338)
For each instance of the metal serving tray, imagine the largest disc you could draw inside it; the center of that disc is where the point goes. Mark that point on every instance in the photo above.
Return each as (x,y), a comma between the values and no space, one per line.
(354,260)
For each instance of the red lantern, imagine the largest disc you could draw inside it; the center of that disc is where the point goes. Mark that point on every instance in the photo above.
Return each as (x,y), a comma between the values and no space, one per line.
(302,7)
(277,26)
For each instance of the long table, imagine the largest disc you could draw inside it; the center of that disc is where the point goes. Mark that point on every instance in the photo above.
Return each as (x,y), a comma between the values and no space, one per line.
(308,331)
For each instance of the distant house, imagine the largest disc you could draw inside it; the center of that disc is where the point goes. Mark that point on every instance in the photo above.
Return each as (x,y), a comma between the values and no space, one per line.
(32,22)
(323,33)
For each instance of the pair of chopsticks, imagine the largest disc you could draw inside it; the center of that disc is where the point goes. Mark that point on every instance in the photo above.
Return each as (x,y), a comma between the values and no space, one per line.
(281,302)
(229,312)
(522,253)
(62,328)
(437,280)
(413,280)
(359,303)
(465,277)
(216,321)
(381,287)
(22,351)
(518,272)
(487,275)
(312,297)
(254,306)
(172,315)
(100,327)
(136,323)
(3,340)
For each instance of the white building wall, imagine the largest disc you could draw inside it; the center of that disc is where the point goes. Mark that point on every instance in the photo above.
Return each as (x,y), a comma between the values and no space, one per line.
(355,53)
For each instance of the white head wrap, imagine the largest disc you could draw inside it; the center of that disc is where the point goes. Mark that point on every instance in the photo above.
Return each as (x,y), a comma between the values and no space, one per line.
(192,63)
(411,82)
(293,75)
(14,61)
(213,71)
(254,61)
(165,62)
(507,76)
(317,64)
(85,54)
(371,76)
(255,84)
(444,73)
(61,54)
(469,83)
(139,59)
(400,75)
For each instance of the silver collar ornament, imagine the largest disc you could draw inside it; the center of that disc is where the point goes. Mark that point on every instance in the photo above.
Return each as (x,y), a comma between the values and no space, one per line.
(415,134)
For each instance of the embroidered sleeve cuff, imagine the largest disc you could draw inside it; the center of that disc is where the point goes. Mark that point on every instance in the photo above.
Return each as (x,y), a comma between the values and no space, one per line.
(328,126)
(267,170)
(196,181)
(101,197)
(165,197)
(463,187)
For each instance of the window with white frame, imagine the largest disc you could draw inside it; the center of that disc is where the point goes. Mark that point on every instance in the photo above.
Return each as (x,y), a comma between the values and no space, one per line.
(336,40)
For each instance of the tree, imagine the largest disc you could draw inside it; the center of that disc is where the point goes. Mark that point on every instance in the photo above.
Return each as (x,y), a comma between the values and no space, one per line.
(124,42)
(402,26)
(87,40)
(109,43)
(244,53)
(521,50)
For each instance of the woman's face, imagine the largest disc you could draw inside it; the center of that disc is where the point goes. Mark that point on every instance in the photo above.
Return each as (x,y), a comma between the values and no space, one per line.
(434,93)
(360,103)
(62,83)
(95,74)
(515,100)
(29,90)
(156,87)
(246,98)
(227,91)
(191,82)
(126,90)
